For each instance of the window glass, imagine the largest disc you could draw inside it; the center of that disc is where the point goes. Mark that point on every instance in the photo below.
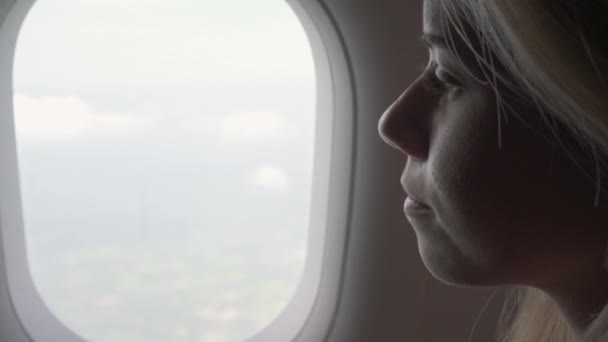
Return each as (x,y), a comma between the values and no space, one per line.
(165,152)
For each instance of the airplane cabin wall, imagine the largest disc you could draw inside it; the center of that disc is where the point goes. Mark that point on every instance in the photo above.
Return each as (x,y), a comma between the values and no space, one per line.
(10,328)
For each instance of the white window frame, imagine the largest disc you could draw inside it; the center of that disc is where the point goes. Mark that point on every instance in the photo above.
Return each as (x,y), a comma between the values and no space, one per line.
(308,316)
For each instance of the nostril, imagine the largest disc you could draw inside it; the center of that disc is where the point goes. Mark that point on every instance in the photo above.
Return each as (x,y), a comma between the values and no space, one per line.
(410,140)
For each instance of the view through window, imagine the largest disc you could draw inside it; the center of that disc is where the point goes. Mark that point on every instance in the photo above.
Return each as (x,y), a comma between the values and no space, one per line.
(165,152)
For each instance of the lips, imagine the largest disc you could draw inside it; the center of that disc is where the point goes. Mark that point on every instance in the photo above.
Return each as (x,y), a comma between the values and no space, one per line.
(412,194)
(412,208)
(415,208)
(418,202)
(412,184)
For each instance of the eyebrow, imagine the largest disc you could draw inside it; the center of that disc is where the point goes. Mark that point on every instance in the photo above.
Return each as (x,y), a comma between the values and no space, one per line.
(434,40)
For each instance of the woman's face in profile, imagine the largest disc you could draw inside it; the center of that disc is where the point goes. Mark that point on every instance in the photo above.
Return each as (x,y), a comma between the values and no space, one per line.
(500,214)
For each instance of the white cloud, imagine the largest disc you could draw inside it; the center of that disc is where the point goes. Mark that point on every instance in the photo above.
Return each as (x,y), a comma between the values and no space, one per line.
(201,125)
(108,301)
(270,178)
(213,337)
(253,127)
(63,118)
(182,332)
(217,314)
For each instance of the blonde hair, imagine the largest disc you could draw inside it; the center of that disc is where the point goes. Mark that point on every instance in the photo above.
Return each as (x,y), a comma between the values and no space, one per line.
(550,53)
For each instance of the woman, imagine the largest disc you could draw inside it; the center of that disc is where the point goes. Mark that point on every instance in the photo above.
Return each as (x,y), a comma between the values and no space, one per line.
(506,133)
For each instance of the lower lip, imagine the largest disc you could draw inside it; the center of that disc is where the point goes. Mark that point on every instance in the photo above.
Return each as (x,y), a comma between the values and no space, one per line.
(411,207)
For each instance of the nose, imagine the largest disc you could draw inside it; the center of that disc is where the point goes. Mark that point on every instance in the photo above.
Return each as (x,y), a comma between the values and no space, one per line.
(406,124)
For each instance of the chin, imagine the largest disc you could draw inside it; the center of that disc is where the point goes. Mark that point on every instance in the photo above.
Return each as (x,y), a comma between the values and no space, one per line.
(452,269)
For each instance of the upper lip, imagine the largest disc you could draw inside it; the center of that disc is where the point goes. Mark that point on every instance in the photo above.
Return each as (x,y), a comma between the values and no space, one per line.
(410,189)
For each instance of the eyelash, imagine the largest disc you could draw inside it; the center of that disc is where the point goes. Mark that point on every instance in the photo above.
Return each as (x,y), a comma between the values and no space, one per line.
(436,86)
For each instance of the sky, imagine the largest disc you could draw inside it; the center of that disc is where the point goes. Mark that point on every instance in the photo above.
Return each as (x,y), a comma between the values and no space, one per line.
(165,152)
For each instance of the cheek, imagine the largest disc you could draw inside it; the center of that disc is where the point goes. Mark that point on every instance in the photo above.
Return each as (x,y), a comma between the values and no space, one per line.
(464,159)
(486,195)
(464,176)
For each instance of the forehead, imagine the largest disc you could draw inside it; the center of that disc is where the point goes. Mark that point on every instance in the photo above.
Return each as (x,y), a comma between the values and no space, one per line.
(431,16)
(460,52)
(438,30)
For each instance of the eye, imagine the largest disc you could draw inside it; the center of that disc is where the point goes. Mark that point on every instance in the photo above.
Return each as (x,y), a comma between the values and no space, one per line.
(434,84)
(440,83)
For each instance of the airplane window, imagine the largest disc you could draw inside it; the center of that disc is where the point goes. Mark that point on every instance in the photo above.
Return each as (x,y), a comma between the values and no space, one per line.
(165,152)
